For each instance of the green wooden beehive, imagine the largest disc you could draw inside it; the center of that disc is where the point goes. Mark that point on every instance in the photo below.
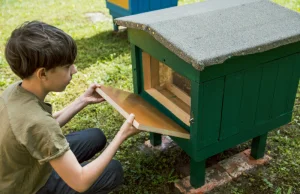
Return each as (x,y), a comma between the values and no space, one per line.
(226,71)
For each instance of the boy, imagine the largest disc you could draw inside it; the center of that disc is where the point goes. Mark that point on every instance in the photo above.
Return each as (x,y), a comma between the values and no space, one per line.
(35,157)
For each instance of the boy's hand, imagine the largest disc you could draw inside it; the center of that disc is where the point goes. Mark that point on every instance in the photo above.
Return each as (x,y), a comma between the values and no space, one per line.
(90,96)
(127,128)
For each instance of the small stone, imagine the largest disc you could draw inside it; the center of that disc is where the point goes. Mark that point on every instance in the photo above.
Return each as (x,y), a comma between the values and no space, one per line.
(97,17)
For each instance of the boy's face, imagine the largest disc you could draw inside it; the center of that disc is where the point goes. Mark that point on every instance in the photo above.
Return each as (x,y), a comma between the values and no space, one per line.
(59,77)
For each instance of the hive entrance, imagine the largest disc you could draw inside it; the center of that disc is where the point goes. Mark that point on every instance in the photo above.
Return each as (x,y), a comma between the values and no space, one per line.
(168,87)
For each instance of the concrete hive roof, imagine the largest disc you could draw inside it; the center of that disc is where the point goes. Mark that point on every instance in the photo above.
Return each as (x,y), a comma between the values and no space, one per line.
(208,33)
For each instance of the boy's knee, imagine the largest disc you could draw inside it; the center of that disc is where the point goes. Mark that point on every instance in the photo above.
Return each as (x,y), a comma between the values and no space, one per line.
(96,136)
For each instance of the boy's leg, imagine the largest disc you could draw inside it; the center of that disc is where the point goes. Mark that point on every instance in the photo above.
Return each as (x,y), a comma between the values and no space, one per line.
(86,143)
(110,179)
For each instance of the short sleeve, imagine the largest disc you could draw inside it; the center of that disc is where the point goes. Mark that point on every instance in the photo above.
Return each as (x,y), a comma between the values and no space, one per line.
(44,139)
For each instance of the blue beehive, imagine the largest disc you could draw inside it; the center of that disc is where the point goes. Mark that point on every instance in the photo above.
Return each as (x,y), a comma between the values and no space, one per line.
(120,8)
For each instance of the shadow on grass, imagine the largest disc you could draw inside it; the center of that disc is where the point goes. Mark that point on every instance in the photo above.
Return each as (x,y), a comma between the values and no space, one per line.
(102,47)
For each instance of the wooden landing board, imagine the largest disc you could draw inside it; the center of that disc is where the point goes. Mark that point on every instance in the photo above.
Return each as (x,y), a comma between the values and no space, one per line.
(147,117)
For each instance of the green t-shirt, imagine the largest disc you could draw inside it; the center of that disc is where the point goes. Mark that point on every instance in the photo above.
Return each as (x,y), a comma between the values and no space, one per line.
(29,138)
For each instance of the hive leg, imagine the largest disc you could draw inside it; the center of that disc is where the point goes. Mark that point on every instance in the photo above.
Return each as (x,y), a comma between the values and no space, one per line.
(116,28)
(197,173)
(155,139)
(258,146)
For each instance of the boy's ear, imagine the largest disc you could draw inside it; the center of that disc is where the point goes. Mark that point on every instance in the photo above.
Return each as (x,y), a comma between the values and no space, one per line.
(41,73)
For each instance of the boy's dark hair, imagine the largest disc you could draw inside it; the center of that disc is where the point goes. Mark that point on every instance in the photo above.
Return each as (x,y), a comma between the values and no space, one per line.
(36,44)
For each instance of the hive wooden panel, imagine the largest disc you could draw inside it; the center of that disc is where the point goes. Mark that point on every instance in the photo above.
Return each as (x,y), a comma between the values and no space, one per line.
(147,117)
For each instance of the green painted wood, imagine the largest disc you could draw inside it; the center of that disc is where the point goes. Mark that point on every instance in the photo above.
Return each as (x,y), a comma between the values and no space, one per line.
(197,173)
(258,146)
(294,83)
(155,139)
(266,92)
(239,138)
(241,63)
(136,68)
(196,105)
(251,84)
(210,112)
(231,105)
(148,44)
(283,83)
(243,98)
(276,78)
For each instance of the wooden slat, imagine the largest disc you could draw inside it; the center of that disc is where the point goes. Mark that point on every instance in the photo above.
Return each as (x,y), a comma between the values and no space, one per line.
(179,93)
(251,84)
(154,72)
(171,105)
(150,71)
(266,92)
(210,112)
(147,117)
(146,70)
(233,92)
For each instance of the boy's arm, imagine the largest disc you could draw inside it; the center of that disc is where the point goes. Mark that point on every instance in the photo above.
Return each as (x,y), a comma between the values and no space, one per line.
(88,97)
(81,178)
(65,115)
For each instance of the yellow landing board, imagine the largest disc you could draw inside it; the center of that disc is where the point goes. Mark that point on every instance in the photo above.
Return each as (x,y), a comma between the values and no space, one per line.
(121,3)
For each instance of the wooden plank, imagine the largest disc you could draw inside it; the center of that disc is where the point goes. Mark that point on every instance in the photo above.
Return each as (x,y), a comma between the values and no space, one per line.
(154,72)
(173,98)
(285,74)
(294,82)
(179,93)
(231,105)
(150,71)
(251,84)
(286,85)
(210,111)
(266,92)
(146,70)
(147,117)
(171,105)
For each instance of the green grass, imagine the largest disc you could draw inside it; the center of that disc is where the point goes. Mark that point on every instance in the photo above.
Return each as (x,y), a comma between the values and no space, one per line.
(104,57)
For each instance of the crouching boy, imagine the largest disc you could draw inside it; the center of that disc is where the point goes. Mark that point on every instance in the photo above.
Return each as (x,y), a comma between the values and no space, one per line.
(35,155)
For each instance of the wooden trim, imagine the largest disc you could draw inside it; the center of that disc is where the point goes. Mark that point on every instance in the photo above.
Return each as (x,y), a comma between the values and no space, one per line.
(174,108)
(146,70)
(154,72)
(121,3)
(116,106)
(150,71)
(179,93)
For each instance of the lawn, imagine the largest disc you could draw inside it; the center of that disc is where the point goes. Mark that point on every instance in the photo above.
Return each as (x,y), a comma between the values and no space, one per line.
(104,57)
